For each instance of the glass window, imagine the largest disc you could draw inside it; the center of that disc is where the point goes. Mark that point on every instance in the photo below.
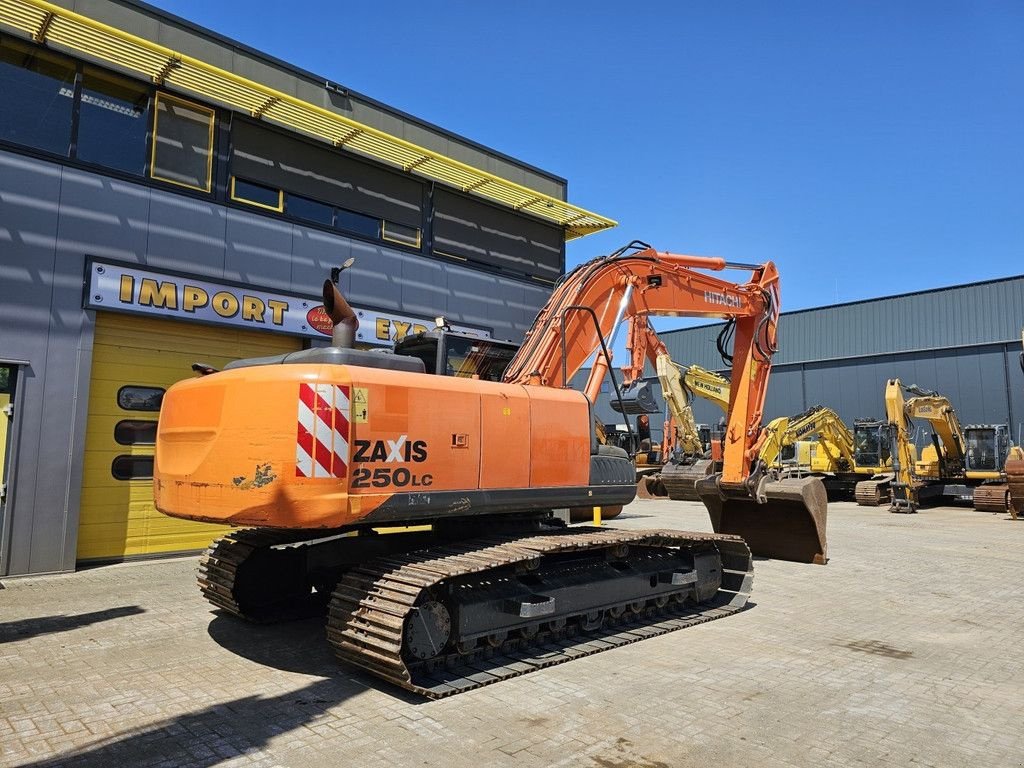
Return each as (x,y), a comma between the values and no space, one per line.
(256,194)
(357,223)
(36,95)
(481,358)
(132,398)
(182,143)
(309,210)
(135,432)
(400,233)
(132,468)
(113,122)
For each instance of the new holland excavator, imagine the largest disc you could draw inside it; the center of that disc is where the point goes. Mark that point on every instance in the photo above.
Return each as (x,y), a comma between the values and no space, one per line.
(962,463)
(310,452)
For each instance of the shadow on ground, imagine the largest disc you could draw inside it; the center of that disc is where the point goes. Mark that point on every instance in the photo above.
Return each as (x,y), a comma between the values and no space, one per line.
(214,734)
(23,629)
(247,724)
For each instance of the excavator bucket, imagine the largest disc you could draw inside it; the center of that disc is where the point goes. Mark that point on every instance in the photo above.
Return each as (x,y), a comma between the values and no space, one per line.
(788,525)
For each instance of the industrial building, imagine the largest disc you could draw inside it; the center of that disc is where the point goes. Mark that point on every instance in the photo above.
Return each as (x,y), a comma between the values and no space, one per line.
(963,341)
(169,196)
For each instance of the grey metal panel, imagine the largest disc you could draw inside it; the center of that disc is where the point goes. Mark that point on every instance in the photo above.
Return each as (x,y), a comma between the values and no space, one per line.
(373,277)
(785,394)
(183,229)
(314,254)
(29,191)
(258,249)
(477,298)
(101,216)
(1012,354)
(424,286)
(957,316)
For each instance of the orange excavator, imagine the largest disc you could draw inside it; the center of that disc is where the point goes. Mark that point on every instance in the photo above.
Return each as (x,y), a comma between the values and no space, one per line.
(313,453)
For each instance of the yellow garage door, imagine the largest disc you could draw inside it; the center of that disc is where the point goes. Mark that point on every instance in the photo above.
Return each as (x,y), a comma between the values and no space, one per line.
(134,360)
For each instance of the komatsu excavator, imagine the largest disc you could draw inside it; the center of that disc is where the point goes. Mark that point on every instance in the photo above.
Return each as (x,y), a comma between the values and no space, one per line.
(833,456)
(312,451)
(963,463)
(822,445)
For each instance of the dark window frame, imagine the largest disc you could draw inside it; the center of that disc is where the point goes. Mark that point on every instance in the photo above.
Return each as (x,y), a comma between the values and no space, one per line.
(149,424)
(161,390)
(211,159)
(123,458)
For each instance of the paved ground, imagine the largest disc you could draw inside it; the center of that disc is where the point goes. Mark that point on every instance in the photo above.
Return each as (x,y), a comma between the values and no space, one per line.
(905,650)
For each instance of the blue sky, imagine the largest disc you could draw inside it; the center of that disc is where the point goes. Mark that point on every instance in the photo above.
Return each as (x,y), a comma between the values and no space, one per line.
(867,147)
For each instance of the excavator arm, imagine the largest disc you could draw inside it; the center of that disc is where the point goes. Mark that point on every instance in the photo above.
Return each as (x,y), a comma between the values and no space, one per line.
(818,422)
(582,317)
(904,488)
(941,417)
(588,306)
(687,434)
(707,384)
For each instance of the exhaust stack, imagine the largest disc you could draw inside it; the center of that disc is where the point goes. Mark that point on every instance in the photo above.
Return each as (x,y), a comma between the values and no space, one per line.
(341,314)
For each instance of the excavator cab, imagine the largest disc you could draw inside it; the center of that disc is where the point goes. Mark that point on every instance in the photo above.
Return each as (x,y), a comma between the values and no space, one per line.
(872,443)
(453,353)
(988,446)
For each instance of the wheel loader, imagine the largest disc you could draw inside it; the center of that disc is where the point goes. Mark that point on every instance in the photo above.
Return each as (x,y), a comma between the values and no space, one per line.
(310,453)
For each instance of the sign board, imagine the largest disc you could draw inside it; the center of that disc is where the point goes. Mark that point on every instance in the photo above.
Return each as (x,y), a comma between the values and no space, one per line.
(123,288)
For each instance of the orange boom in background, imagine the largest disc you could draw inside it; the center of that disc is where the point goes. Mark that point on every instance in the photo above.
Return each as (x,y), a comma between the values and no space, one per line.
(314,449)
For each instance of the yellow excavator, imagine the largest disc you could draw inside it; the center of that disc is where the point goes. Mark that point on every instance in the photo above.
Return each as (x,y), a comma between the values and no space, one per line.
(815,442)
(962,463)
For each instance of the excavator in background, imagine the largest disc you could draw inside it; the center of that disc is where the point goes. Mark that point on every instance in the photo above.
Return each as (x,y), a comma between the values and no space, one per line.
(872,454)
(965,464)
(310,452)
(830,448)
(684,450)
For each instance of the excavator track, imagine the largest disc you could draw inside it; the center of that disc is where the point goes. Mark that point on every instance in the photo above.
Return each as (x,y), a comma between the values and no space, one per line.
(872,493)
(409,619)
(992,497)
(1015,481)
(680,480)
(242,575)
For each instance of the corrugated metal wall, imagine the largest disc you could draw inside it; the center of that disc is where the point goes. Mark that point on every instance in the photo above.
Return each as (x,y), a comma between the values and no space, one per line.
(963,341)
(980,313)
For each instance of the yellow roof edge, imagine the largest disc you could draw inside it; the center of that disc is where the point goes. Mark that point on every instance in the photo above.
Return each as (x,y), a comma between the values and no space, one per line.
(572,226)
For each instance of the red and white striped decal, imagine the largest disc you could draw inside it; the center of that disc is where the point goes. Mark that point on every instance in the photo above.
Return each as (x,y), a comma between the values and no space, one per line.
(321,444)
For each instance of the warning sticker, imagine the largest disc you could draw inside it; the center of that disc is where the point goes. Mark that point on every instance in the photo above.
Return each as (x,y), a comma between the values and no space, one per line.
(360,405)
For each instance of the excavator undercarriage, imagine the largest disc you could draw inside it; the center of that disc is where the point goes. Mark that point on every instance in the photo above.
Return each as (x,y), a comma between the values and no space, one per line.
(437,613)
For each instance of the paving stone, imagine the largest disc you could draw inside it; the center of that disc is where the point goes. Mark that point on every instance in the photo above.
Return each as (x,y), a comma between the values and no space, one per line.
(900,652)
